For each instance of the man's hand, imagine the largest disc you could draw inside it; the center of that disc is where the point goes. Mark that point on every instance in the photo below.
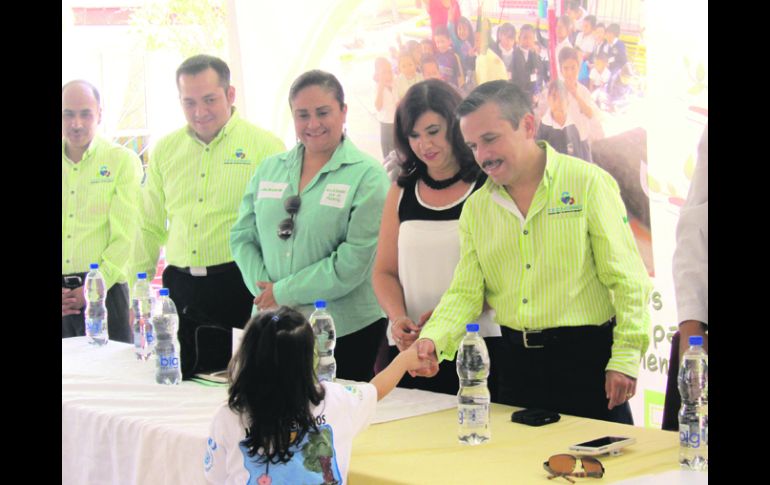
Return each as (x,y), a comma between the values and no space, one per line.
(404,332)
(266,299)
(426,352)
(424,318)
(72,301)
(687,329)
(619,388)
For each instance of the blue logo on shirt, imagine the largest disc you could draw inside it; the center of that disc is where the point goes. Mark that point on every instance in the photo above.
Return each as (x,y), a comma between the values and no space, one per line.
(565,197)
(104,171)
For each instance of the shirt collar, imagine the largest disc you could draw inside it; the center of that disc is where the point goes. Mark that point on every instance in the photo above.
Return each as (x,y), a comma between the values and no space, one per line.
(89,151)
(229,126)
(345,154)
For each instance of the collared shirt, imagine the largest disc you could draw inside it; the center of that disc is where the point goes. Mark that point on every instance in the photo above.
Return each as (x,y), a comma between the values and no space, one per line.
(197,188)
(572,261)
(100,209)
(331,252)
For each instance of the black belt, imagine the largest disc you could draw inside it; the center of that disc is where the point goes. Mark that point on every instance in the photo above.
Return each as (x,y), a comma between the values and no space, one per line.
(206,270)
(538,339)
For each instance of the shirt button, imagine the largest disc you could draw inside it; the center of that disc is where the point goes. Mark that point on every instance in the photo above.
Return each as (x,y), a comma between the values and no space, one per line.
(203,175)
(71,216)
(207,149)
(195,225)
(200,200)
(69,236)
(529,265)
(76,169)
(524,301)
(526,232)
(68,261)
(72,192)
(195,252)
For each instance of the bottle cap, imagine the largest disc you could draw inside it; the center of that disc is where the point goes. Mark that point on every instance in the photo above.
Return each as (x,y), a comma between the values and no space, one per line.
(94,265)
(472,327)
(320,304)
(163,292)
(141,276)
(696,340)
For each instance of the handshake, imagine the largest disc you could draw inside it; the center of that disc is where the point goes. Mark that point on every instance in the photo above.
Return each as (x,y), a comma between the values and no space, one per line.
(406,335)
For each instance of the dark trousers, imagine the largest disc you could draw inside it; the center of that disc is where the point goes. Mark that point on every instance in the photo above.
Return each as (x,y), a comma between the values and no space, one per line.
(220,300)
(118,325)
(566,376)
(355,353)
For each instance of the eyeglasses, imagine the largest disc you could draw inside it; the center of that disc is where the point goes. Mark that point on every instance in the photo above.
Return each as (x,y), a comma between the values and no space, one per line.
(286,226)
(564,466)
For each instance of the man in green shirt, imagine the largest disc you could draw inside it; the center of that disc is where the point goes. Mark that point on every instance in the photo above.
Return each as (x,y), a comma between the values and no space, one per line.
(546,242)
(100,208)
(196,177)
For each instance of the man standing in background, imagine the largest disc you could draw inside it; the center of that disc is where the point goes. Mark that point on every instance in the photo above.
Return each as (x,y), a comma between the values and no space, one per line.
(196,179)
(100,197)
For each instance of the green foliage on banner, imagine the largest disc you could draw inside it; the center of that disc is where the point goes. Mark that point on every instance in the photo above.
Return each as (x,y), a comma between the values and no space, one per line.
(188,26)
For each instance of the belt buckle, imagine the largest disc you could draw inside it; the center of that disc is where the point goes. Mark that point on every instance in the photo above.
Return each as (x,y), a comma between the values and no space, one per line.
(198,270)
(526,342)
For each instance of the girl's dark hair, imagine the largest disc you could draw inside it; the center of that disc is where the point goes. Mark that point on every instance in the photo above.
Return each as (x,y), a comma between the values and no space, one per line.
(443,99)
(316,77)
(272,383)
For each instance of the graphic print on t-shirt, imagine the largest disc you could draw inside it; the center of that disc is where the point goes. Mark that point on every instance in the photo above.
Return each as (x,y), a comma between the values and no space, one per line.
(314,461)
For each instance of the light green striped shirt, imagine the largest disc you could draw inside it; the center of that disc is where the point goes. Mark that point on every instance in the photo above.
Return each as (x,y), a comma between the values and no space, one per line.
(100,209)
(573,261)
(198,189)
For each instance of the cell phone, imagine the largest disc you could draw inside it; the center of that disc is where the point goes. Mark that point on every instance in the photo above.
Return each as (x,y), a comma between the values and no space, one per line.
(605,444)
(535,417)
(72,282)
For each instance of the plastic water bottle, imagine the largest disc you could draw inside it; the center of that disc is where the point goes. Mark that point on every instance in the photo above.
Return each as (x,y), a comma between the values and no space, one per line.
(144,337)
(473,395)
(694,414)
(165,320)
(96,310)
(325,340)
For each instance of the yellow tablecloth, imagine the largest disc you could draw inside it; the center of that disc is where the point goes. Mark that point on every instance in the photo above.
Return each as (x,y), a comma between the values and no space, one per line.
(425,450)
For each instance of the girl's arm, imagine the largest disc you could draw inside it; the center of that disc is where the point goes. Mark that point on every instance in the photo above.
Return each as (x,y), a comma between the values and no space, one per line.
(386,380)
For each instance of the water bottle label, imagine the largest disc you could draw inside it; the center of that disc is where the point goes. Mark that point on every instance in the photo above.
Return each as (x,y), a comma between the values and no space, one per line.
(169,362)
(149,337)
(692,436)
(94,327)
(473,416)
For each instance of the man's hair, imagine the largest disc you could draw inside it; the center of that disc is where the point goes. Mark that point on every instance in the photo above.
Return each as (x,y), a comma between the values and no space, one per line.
(87,84)
(573,5)
(322,79)
(600,25)
(197,64)
(567,53)
(614,29)
(566,21)
(507,29)
(591,19)
(509,98)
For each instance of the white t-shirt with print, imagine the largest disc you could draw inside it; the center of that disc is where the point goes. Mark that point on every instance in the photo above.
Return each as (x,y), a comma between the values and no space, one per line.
(345,411)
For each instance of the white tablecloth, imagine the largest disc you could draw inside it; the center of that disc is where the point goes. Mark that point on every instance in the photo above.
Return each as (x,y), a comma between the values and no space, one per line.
(120,427)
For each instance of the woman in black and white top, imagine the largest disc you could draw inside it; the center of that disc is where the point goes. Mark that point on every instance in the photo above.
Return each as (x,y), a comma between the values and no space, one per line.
(419,244)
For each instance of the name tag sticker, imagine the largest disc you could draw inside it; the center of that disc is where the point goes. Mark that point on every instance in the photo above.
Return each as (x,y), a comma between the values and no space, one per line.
(533,77)
(335,195)
(271,190)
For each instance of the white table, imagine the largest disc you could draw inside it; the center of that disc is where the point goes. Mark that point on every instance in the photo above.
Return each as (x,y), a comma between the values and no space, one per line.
(120,427)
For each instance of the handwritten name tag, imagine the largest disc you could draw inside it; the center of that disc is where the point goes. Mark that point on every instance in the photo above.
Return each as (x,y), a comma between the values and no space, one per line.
(271,190)
(335,195)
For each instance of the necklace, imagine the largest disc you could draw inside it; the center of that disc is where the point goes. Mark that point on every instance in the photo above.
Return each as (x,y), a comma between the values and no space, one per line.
(440,184)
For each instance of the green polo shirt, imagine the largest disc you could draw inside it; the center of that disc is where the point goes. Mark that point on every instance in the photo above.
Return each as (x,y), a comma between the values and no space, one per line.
(197,188)
(100,209)
(572,261)
(331,253)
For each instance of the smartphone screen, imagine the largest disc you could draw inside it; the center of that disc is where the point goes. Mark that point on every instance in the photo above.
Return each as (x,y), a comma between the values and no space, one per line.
(604,441)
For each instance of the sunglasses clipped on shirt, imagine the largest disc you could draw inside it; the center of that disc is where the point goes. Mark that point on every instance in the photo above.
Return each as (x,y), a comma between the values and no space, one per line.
(286,226)
(564,466)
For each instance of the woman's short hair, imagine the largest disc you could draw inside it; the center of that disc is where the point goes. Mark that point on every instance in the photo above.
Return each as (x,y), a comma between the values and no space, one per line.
(323,79)
(443,99)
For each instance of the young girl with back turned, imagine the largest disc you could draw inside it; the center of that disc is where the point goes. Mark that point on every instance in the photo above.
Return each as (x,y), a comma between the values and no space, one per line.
(279,424)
